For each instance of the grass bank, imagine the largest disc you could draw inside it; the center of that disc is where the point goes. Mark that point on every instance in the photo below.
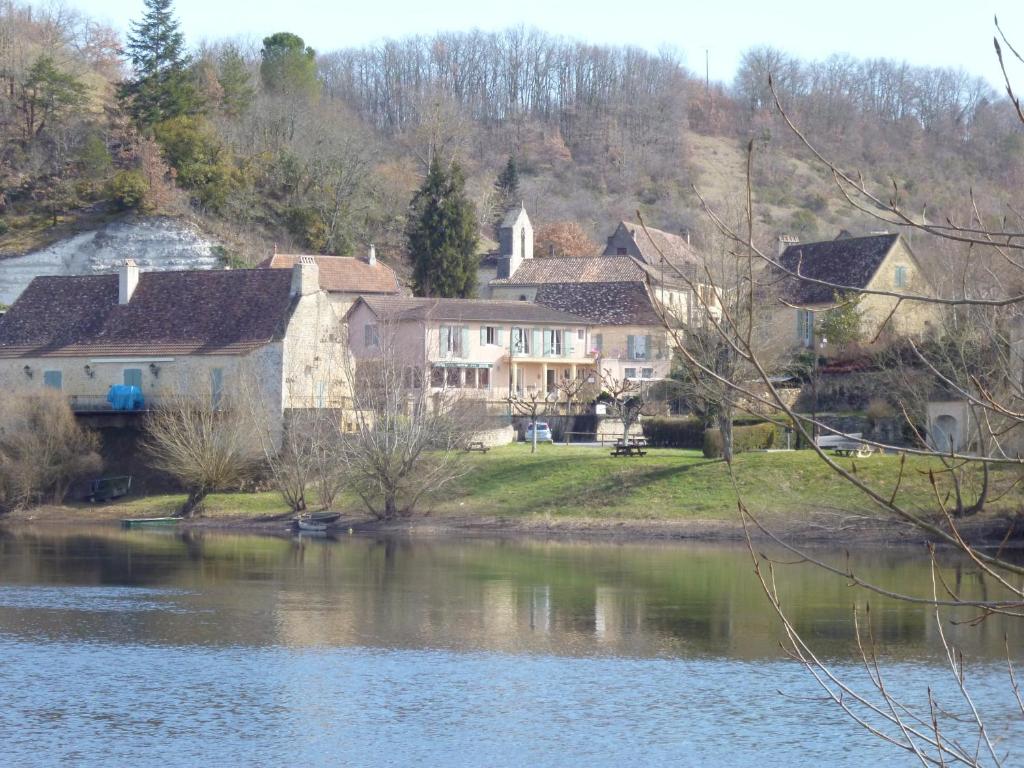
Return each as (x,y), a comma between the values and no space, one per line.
(583,489)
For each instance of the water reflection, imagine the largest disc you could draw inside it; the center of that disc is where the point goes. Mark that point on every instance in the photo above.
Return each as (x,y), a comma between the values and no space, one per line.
(543,598)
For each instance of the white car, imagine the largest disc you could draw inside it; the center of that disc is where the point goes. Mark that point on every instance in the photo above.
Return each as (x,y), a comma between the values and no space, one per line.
(543,432)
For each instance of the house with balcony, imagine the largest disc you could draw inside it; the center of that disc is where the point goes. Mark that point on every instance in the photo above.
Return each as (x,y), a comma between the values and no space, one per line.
(488,348)
(196,333)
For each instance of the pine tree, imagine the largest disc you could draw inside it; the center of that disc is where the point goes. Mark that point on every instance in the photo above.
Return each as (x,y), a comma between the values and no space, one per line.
(506,189)
(163,87)
(288,67)
(507,185)
(235,82)
(442,235)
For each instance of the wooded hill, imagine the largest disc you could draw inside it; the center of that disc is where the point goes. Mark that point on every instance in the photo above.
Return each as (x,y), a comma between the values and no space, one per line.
(276,143)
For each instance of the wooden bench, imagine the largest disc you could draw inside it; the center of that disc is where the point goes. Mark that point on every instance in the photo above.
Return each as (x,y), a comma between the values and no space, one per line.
(845,445)
(477,446)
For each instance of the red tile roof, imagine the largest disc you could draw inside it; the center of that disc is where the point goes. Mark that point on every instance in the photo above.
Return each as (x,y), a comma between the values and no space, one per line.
(344,274)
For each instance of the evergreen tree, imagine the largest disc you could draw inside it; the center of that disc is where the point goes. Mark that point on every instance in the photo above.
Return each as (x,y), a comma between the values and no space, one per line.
(289,66)
(442,235)
(163,87)
(506,189)
(235,82)
(507,185)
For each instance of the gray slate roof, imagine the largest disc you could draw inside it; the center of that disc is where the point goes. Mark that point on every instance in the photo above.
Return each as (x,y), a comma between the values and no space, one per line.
(849,261)
(626,303)
(585,269)
(187,312)
(676,250)
(468,310)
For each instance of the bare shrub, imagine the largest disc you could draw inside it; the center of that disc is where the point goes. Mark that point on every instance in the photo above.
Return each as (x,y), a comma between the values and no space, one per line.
(206,447)
(43,450)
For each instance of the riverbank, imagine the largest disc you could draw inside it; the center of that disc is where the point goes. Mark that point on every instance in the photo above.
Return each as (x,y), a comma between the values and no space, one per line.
(568,491)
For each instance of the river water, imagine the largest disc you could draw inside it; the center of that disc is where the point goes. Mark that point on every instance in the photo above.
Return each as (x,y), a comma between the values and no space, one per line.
(162,649)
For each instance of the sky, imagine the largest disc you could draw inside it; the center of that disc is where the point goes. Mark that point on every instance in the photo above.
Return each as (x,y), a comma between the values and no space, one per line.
(951,33)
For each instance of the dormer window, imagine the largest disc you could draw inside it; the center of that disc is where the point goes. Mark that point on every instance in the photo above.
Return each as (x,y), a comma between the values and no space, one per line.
(901,276)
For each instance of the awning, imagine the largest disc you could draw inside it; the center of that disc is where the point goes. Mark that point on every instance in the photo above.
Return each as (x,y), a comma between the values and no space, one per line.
(451,364)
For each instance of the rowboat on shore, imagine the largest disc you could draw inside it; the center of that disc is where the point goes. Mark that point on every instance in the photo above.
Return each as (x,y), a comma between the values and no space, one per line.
(141,522)
(322,517)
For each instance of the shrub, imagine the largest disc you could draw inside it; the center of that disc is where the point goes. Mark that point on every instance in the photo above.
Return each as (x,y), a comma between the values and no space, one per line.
(752,438)
(129,190)
(43,450)
(674,432)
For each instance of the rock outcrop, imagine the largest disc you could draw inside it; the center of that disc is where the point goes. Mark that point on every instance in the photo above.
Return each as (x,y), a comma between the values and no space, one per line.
(155,243)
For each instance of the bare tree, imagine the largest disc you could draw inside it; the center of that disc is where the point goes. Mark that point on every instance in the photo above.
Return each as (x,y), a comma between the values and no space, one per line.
(43,450)
(406,441)
(205,446)
(627,400)
(533,403)
(983,369)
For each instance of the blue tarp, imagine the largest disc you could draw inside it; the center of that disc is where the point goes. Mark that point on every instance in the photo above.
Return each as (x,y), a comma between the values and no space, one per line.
(125,398)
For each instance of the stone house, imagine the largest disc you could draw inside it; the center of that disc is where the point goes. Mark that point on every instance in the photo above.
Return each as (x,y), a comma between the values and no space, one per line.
(881,262)
(488,348)
(196,333)
(345,278)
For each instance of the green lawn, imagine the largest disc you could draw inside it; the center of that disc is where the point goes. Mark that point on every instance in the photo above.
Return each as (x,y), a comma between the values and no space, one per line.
(674,484)
(569,481)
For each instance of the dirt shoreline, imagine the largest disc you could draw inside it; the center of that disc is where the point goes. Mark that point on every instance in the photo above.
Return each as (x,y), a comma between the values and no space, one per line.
(813,529)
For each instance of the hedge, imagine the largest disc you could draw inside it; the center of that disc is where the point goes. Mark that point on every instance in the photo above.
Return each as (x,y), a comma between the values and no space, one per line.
(753,438)
(674,432)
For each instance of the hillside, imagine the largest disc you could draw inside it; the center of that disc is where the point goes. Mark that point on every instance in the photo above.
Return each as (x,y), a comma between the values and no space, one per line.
(321,152)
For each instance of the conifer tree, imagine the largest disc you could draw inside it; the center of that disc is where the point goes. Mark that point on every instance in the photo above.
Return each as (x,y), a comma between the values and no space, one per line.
(442,235)
(506,188)
(288,66)
(163,87)
(235,82)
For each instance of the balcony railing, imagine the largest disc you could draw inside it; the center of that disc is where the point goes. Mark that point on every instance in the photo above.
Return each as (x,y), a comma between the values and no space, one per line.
(100,404)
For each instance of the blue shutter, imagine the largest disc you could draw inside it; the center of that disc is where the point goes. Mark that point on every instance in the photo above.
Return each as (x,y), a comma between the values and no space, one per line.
(442,340)
(547,342)
(569,345)
(483,335)
(535,341)
(133,377)
(599,342)
(648,348)
(53,379)
(464,348)
(630,345)
(499,337)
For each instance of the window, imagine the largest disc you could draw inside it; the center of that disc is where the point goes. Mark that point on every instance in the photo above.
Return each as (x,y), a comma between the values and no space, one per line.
(805,326)
(452,340)
(636,347)
(453,377)
(580,333)
(437,377)
(598,341)
(371,337)
(483,378)
(631,373)
(621,252)
(490,335)
(522,297)
(552,342)
(901,276)
(469,378)
(521,341)
(133,377)
(53,379)
(216,387)
(646,373)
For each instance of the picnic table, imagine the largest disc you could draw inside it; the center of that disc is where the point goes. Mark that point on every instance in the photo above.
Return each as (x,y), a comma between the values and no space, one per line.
(477,446)
(634,446)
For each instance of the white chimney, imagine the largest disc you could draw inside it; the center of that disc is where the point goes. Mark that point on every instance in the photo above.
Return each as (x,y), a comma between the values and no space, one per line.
(305,276)
(127,280)
(785,241)
(371,257)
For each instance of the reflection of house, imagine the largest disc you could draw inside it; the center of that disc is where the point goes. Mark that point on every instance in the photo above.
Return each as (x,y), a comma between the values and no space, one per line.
(193,331)
(482,346)
(874,263)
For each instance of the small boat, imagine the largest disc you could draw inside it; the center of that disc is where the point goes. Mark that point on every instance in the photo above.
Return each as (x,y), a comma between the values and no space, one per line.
(140,522)
(310,526)
(323,517)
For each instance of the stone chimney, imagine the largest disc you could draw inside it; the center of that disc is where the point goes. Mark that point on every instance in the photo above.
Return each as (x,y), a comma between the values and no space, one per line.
(127,280)
(371,256)
(305,276)
(785,241)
